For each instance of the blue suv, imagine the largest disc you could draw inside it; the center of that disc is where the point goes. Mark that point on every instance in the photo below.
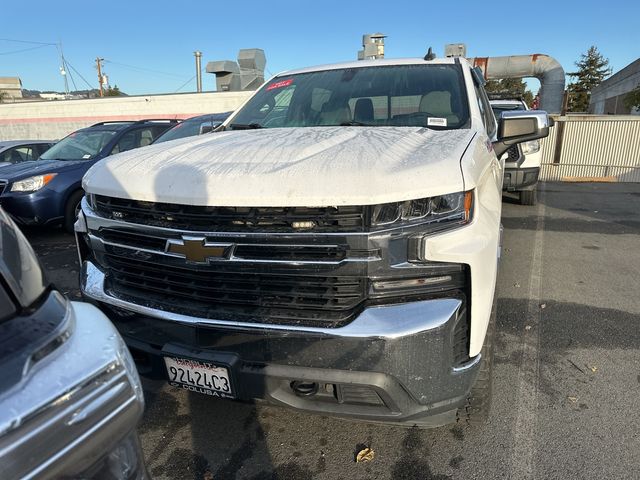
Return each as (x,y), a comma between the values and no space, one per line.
(48,191)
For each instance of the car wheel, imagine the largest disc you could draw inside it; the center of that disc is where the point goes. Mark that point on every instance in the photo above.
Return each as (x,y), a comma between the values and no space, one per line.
(478,403)
(71,210)
(528,197)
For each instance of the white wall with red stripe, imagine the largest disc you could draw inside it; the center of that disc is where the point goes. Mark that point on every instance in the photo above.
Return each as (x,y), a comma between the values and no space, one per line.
(51,120)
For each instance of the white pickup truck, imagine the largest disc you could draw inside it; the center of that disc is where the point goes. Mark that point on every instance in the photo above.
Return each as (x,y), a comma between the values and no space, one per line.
(522,161)
(333,248)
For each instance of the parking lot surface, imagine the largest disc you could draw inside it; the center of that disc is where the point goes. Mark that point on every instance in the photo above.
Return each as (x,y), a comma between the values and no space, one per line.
(567,376)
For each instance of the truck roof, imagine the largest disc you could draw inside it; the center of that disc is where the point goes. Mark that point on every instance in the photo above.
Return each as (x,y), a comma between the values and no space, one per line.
(373,63)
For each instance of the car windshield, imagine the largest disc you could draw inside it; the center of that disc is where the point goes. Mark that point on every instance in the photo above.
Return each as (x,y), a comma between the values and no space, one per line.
(511,107)
(391,95)
(80,145)
(191,127)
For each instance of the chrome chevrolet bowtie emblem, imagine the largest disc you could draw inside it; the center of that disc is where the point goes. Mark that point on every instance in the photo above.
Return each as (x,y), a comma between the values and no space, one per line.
(197,249)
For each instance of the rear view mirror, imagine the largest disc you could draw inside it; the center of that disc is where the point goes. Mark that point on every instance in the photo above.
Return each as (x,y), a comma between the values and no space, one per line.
(521,126)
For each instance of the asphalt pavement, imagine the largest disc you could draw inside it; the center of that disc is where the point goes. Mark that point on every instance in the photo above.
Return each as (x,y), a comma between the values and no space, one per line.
(567,376)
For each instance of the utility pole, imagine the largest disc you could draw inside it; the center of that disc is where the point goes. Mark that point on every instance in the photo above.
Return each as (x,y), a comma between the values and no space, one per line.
(63,70)
(198,55)
(100,79)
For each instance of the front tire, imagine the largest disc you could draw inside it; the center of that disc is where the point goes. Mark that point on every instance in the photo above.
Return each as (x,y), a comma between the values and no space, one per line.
(478,405)
(528,197)
(71,210)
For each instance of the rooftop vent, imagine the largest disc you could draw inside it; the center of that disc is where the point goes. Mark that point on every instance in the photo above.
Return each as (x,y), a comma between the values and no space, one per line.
(372,46)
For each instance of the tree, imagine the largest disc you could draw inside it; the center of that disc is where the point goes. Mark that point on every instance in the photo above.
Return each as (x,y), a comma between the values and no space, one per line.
(113,92)
(592,69)
(632,100)
(3,96)
(510,87)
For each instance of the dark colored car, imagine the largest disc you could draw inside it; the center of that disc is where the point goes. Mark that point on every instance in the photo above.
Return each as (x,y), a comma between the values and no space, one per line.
(17,151)
(70,396)
(194,126)
(48,191)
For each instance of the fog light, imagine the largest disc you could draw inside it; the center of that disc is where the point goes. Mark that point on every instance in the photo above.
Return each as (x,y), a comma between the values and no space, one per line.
(301,225)
(304,389)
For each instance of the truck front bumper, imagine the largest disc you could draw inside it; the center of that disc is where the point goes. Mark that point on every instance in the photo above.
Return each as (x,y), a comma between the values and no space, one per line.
(393,363)
(516,179)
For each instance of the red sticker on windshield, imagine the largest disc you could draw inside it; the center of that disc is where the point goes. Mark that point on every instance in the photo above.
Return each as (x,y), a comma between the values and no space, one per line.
(280,84)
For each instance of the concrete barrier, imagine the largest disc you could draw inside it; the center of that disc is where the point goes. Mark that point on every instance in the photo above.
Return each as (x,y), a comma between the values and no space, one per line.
(56,119)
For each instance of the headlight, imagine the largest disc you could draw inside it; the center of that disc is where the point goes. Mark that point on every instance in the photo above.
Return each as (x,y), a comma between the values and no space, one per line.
(450,208)
(530,147)
(32,184)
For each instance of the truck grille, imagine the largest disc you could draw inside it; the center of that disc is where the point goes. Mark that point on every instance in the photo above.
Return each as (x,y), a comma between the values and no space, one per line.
(3,185)
(513,154)
(230,219)
(211,293)
(246,251)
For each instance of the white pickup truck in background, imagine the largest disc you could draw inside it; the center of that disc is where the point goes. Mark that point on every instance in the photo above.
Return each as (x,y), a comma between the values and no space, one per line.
(522,161)
(332,248)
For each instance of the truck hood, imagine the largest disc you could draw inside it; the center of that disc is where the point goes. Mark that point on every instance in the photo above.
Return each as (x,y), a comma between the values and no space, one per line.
(317,166)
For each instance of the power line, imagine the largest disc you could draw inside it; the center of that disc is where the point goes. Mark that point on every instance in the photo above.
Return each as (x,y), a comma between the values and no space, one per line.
(23,50)
(25,41)
(190,80)
(79,74)
(143,69)
(185,84)
(65,64)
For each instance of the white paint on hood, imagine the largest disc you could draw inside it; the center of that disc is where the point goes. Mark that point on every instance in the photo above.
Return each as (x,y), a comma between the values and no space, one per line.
(318,166)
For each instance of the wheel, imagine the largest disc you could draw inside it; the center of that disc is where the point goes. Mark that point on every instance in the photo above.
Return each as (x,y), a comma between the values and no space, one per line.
(528,197)
(71,210)
(476,410)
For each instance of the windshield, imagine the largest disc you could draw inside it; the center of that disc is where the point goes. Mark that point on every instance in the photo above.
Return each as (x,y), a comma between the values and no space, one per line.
(395,95)
(193,126)
(80,145)
(511,107)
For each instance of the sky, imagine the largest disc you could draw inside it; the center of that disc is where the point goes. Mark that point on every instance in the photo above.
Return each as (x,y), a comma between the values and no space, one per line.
(148,46)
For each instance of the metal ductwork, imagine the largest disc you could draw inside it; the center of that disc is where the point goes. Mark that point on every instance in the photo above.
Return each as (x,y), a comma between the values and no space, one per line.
(545,68)
(372,46)
(245,74)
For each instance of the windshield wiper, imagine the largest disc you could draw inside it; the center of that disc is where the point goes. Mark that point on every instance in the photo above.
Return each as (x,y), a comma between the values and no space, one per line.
(353,123)
(245,126)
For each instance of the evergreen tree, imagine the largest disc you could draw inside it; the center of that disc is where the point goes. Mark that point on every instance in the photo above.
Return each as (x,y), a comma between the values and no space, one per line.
(592,69)
(113,92)
(632,100)
(510,87)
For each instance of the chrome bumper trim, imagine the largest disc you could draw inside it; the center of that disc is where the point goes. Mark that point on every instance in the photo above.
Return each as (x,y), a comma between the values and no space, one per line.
(388,322)
(469,365)
(235,259)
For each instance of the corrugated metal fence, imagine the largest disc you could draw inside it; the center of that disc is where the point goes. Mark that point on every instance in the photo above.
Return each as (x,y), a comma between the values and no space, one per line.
(593,147)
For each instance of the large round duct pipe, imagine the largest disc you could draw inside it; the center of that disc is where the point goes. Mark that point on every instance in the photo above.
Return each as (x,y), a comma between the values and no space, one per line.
(543,67)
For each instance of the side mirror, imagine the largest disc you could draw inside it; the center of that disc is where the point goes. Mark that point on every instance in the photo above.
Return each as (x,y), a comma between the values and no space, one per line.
(521,126)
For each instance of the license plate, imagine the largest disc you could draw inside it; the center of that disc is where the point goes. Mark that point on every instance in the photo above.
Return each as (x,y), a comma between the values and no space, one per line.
(199,377)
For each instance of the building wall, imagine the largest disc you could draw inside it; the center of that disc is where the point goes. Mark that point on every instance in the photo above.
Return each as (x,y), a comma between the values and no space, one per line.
(56,119)
(608,97)
(12,86)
